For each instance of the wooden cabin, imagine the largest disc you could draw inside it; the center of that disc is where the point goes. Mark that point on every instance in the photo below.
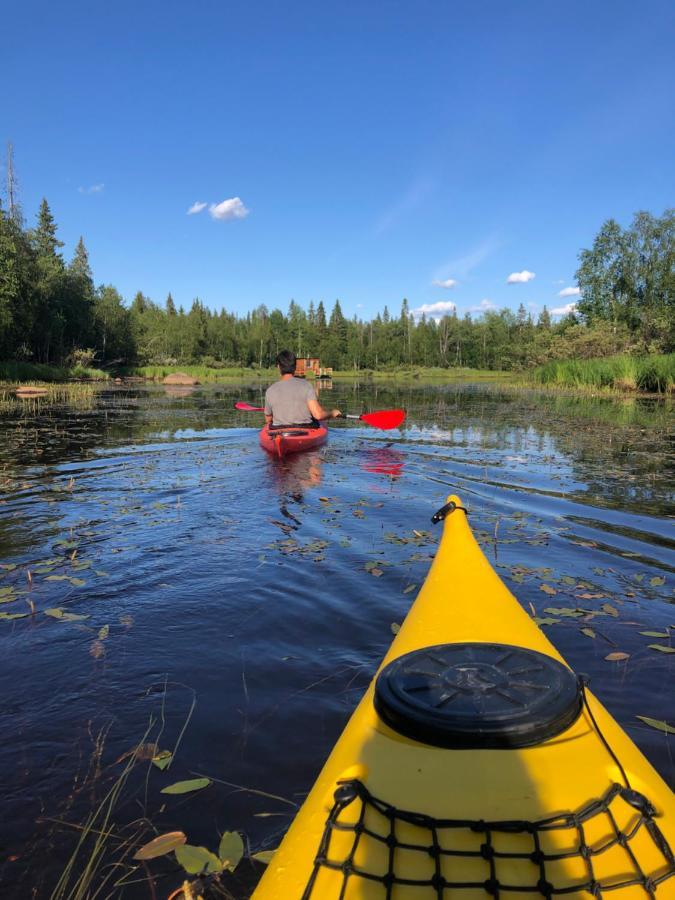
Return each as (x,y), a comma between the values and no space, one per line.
(305,364)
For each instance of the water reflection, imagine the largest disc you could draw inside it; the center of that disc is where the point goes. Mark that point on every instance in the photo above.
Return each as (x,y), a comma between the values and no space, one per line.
(383,461)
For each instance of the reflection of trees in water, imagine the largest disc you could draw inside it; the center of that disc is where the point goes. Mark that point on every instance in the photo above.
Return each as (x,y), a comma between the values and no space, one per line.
(616,447)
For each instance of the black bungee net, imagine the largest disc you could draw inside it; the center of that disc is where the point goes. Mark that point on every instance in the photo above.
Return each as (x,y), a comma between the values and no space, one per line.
(541,883)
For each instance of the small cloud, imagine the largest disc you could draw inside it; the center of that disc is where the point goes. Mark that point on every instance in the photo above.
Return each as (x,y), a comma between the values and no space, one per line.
(520,277)
(228,209)
(532,304)
(483,306)
(196,208)
(448,283)
(564,310)
(569,292)
(435,310)
(92,189)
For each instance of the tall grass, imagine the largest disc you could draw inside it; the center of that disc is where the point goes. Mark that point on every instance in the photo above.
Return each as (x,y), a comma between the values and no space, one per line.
(201,372)
(653,374)
(25,371)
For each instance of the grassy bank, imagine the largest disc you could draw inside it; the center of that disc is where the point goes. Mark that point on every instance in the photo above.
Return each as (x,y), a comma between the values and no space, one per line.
(23,372)
(206,374)
(653,374)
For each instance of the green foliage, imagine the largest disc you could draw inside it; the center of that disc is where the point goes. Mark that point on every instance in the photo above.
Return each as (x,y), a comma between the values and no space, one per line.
(655,374)
(628,278)
(51,314)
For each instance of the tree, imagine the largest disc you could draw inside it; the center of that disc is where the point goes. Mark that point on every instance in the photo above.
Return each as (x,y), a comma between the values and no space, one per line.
(49,288)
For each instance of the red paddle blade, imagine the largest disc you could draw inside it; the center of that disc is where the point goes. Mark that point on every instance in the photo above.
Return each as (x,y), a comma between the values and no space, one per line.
(384,419)
(247,407)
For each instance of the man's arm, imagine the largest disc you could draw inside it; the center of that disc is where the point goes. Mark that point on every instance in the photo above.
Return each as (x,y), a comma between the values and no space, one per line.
(317,410)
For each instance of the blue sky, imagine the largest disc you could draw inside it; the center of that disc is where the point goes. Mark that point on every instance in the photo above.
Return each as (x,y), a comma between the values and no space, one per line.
(370,150)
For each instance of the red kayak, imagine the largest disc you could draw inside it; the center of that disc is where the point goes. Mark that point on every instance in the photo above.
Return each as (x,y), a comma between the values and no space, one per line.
(283,439)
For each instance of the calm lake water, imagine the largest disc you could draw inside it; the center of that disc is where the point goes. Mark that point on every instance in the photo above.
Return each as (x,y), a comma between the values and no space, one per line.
(203,594)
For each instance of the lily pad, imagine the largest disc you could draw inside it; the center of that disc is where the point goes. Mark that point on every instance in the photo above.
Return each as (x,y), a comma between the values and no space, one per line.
(657,581)
(617,656)
(655,633)
(161,845)
(539,621)
(661,648)
(103,632)
(230,850)
(58,613)
(198,860)
(610,610)
(588,632)
(6,617)
(186,787)
(264,856)
(547,589)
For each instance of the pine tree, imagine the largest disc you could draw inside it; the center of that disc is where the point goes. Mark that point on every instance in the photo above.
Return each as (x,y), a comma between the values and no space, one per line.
(170,306)
(44,236)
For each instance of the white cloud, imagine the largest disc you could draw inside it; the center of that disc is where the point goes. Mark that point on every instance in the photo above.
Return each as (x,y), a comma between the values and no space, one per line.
(569,292)
(92,189)
(564,310)
(447,283)
(435,310)
(228,209)
(483,306)
(196,208)
(520,277)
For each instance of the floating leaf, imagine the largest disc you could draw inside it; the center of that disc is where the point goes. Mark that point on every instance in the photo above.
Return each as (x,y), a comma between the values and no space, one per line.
(58,613)
(656,723)
(567,579)
(56,578)
(410,589)
(376,572)
(655,633)
(657,581)
(198,860)
(185,787)
(230,850)
(101,573)
(6,617)
(395,627)
(661,648)
(589,596)
(610,610)
(162,759)
(566,611)
(8,567)
(616,656)
(161,845)
(103,632)
(77,582)
(547,589)
(264,856)
(588,632)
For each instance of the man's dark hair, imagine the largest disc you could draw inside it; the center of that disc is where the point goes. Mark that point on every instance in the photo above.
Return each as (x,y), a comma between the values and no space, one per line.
(286,362)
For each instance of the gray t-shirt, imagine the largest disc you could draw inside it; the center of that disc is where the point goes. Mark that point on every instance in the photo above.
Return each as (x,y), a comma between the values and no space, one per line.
(286,402)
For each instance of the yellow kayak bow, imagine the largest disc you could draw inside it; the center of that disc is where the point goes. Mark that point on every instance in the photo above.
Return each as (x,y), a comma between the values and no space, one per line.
(477,765)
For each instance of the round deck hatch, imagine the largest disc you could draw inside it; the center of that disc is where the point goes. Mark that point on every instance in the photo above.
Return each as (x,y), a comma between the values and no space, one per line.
(477,696)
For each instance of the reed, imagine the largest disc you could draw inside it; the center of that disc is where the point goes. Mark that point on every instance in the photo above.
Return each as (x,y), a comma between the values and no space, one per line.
(652,374)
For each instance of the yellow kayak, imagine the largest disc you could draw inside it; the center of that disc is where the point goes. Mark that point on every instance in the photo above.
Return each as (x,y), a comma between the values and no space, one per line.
(477,765)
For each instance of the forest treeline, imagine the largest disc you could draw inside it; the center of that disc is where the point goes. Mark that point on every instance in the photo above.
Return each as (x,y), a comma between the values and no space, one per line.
(51,312)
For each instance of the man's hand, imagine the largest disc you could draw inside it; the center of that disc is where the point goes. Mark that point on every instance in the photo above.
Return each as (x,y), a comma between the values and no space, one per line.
(335,413)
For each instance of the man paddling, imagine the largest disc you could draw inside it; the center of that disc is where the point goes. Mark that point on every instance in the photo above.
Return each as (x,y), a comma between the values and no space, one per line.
(292,401)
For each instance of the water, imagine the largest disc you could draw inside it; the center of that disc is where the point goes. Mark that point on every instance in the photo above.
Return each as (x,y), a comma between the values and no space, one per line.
(229,603)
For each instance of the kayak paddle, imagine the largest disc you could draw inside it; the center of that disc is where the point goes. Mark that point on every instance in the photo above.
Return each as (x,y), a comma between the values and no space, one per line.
(247,407)
(384,418)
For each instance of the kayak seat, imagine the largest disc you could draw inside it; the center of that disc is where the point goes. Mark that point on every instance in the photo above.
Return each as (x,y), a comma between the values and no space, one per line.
(477,696)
